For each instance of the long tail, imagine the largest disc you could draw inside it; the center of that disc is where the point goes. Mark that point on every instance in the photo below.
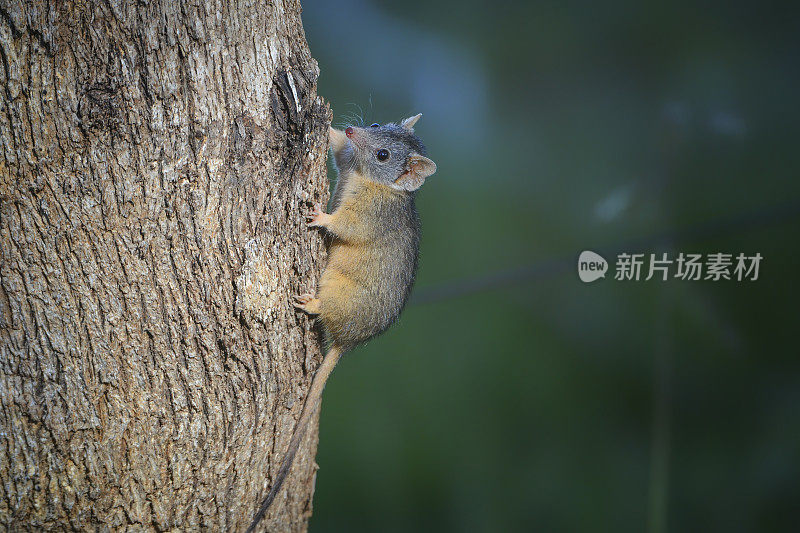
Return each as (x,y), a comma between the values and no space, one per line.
(314,395)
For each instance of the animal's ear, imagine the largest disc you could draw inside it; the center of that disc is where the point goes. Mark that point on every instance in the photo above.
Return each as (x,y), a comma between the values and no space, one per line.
(409,122)
(418,168)
(337,139)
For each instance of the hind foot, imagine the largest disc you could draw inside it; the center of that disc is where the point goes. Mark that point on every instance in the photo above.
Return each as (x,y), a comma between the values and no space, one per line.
(307,303)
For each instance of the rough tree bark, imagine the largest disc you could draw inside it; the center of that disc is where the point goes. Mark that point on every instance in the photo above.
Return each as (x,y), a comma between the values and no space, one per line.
(156,161)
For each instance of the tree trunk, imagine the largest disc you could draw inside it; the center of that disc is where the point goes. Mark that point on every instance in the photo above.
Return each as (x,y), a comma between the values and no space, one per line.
(157,158)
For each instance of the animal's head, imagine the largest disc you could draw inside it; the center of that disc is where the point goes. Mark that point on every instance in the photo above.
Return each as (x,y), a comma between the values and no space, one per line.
(388,153)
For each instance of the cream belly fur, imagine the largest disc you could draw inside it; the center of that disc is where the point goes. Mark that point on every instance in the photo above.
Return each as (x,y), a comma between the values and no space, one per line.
(366,265)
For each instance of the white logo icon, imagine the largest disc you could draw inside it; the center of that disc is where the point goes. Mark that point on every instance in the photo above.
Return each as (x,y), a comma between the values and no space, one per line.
(591,266)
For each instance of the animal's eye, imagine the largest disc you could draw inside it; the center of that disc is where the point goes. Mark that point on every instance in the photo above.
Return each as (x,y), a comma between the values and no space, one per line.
(375,125)
(382,155)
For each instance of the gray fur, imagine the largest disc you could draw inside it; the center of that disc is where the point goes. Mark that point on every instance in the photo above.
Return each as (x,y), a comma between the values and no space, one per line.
(386,275)
(400,143)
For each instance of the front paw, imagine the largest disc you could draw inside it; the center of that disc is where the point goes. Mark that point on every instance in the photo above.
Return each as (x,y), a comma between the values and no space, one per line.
(318,218)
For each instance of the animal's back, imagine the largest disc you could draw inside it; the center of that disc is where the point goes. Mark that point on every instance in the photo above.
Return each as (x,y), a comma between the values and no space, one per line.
(367,283)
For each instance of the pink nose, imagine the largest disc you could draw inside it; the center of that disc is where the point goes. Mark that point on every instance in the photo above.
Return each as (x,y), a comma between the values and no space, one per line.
(349,132)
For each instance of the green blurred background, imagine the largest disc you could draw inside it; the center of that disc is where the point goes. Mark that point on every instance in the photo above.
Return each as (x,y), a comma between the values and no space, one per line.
(511,396)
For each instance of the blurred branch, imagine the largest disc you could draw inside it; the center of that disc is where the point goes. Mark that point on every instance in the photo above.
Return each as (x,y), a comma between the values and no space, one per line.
(658,490)
(546,268)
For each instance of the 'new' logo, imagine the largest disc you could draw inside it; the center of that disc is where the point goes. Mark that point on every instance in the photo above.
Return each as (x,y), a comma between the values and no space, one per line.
(591,266)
